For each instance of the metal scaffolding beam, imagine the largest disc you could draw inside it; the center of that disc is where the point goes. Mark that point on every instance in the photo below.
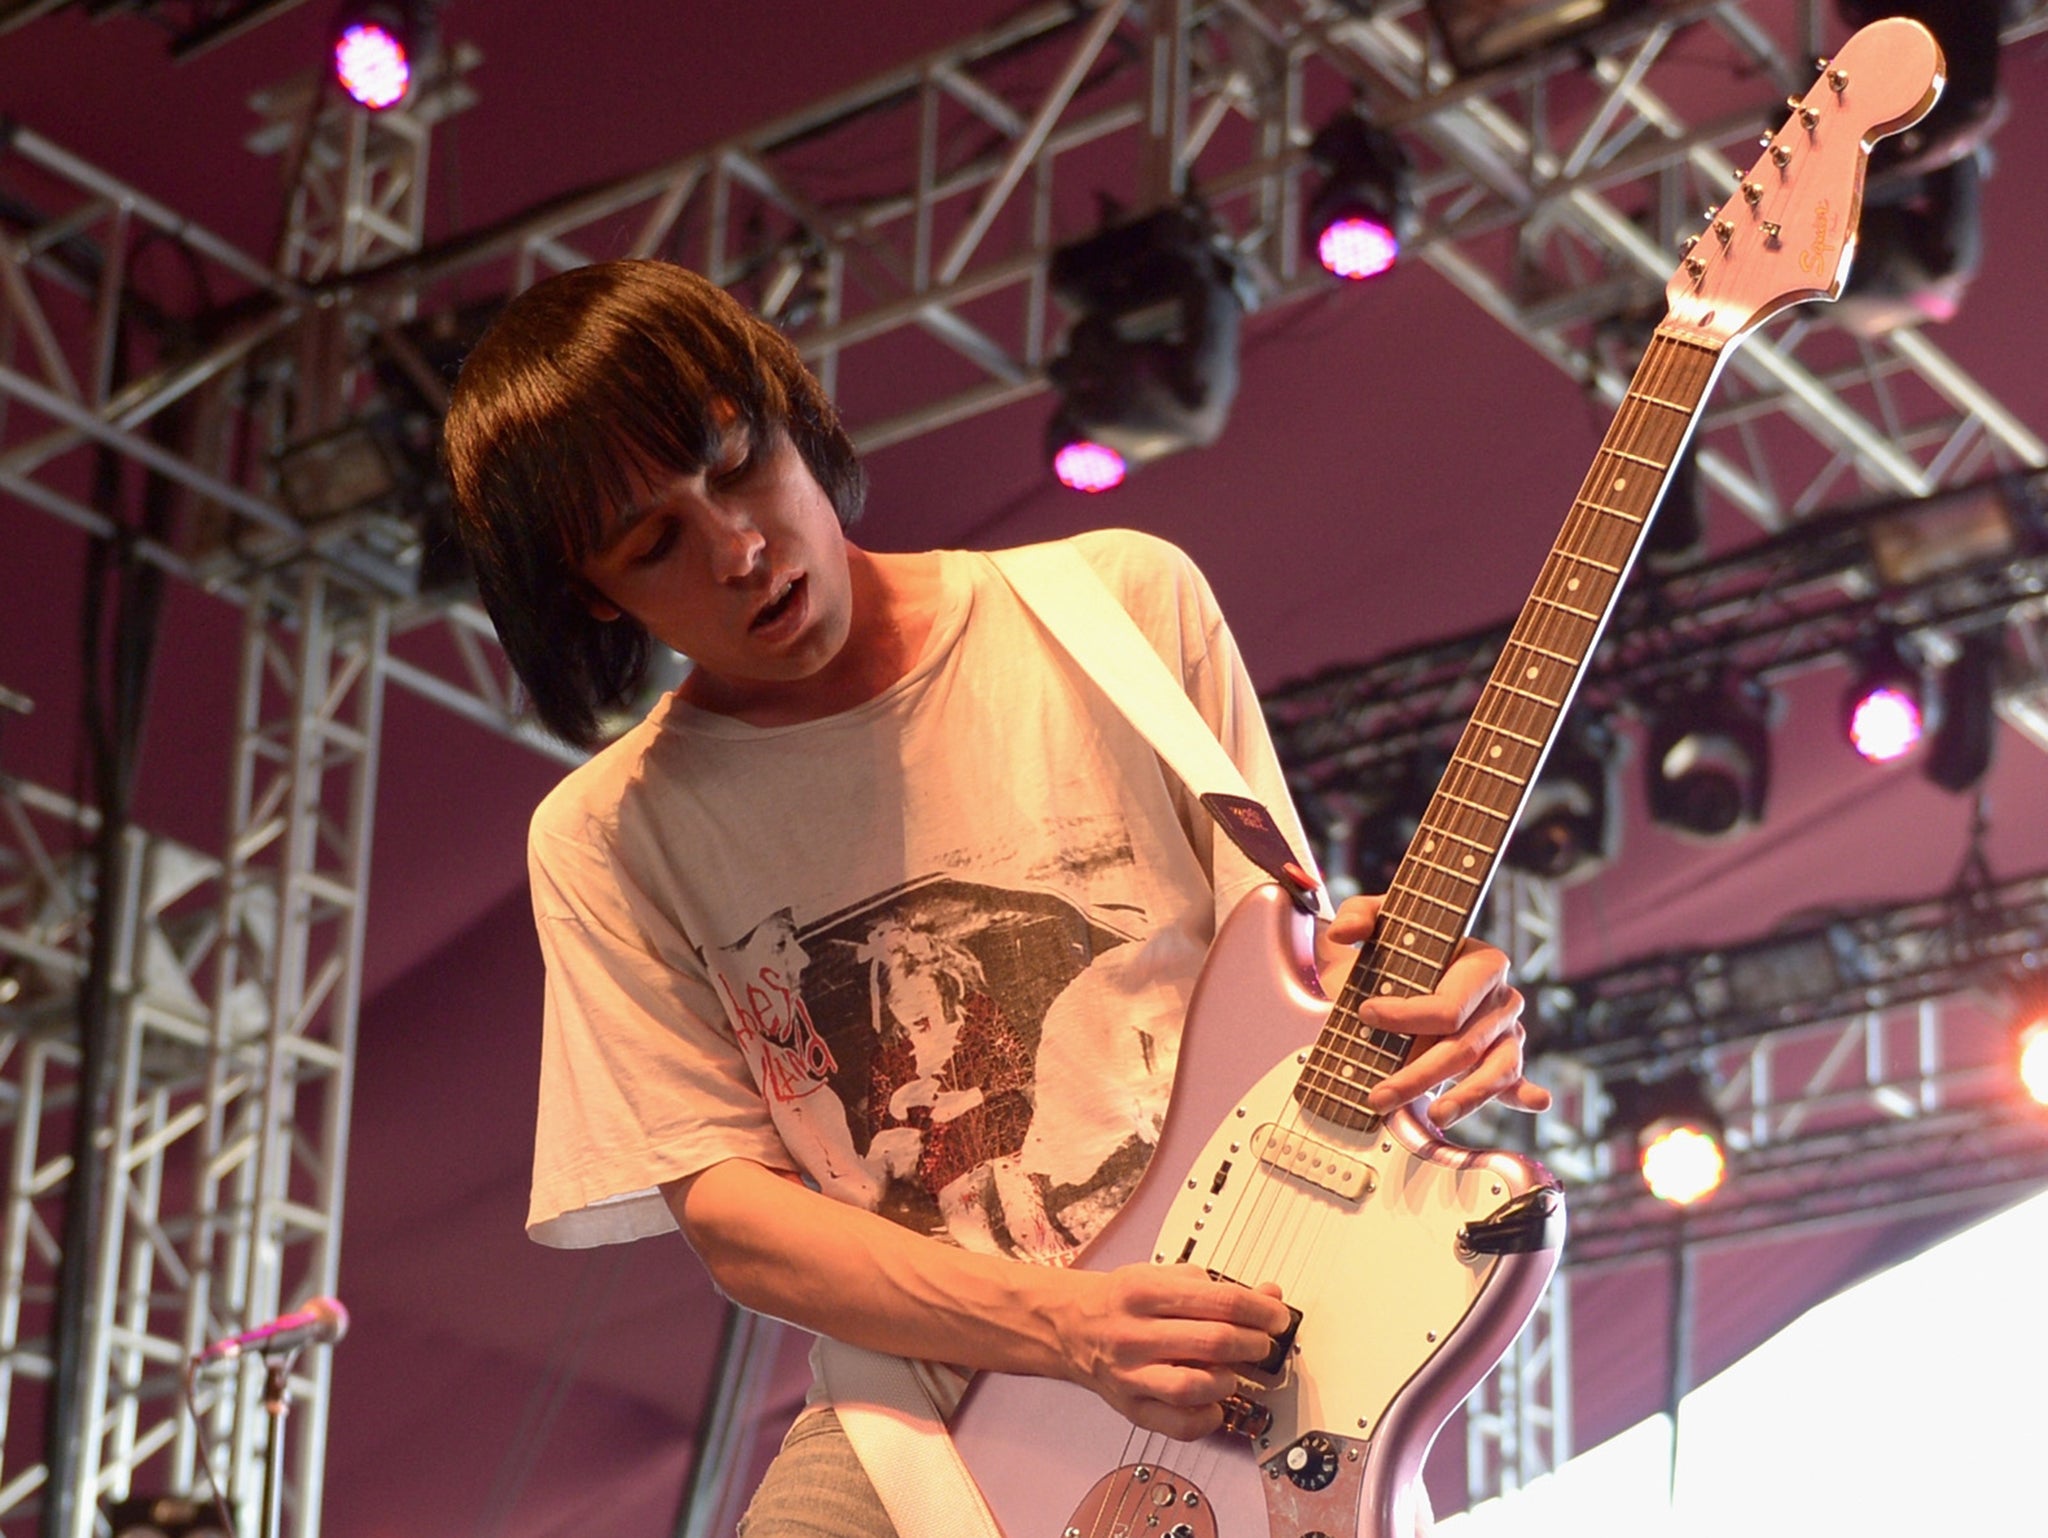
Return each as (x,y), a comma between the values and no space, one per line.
(1863,1064)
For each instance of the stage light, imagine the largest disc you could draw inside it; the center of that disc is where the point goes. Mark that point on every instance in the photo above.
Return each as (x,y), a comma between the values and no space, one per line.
(2031,1041)
(1890,704)
(1150,364)
(1960,753)
(1365,210)
(1919,247)
(163,1516)
(1708,763)
(1479,34)
(376,49)
(1681,1163)
(1675,1132)
(1081,463)
(1570,828)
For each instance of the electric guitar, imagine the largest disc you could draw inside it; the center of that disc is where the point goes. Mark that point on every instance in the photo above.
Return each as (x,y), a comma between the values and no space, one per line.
(1413,1262)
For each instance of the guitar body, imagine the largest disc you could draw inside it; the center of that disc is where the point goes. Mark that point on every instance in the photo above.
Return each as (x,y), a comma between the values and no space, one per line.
(1362,1231)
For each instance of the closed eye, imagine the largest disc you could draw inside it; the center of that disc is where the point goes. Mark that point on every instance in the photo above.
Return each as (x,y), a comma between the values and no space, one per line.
(664,539)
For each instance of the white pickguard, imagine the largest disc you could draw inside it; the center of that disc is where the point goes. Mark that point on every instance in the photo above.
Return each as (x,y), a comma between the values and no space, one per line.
(1378,1279)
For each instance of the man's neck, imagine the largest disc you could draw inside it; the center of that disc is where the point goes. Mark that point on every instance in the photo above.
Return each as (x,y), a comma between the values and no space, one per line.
(896,600)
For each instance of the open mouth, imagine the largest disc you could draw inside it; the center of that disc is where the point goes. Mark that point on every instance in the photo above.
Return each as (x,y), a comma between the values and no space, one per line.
(780,607)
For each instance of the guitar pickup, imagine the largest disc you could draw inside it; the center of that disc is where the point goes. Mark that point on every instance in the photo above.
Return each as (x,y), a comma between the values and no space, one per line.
(1293,1152)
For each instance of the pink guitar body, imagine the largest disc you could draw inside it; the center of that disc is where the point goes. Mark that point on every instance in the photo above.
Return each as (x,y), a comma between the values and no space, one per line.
(1363,1232)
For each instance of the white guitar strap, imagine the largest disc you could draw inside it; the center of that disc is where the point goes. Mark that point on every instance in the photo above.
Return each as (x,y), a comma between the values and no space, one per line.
(1059,587)
(888,1414)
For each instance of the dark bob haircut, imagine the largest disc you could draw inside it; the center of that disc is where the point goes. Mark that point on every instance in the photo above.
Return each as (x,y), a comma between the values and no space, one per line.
(587,380)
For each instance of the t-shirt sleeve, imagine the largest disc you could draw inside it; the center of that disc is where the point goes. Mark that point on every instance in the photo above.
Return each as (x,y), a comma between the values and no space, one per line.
(1166,594)
(641,1081)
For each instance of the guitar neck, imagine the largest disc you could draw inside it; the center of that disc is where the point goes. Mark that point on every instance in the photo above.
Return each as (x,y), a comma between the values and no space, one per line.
(1440,881)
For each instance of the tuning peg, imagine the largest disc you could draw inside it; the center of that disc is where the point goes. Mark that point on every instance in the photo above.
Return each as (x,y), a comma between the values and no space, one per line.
(1695,266)
(1782,156)
(1688,243)
(1725,230)
(1752,193)
(1839,80)
(1772,231)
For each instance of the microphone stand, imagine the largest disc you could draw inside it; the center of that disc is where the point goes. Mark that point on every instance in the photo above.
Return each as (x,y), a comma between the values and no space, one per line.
(277,1403)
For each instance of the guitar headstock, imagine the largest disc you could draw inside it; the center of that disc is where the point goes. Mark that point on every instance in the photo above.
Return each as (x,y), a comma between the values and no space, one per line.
(1787,233)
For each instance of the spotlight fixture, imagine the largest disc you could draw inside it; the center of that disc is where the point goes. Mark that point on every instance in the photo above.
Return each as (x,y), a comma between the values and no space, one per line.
(1677,1135)
(1890,704)
(163,1516)
(1150,365)
(1919,247)
(1480,34)
(1960,753)
(2030,1048)
(1364,212)
(1708,760)
(375,49)
(1571,826)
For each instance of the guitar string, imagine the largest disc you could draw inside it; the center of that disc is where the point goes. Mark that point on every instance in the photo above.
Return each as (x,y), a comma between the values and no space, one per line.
(1246,1236)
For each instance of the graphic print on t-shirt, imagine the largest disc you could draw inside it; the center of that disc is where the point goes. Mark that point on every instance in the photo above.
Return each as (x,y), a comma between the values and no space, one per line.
(901,1045)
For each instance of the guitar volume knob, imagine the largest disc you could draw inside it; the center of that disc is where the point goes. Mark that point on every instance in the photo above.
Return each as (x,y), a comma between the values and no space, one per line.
(1311,1463)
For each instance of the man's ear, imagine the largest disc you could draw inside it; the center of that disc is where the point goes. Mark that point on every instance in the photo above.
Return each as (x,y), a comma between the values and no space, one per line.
(596,605)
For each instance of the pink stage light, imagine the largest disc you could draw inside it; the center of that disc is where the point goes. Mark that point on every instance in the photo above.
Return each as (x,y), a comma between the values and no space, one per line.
(1885,724)
(1086,466)
(371,64)
(1356,248)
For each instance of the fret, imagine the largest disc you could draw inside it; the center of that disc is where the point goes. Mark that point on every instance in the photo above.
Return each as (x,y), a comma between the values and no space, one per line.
(1654,400)
(1568,659)
(1500,774)
(1483,845)
(1390,1058)
(1553,603)
(1495,726)
(1477,806)
(1446,870)
(1612,512)
(1434,934)
(1328,1083)
(1599,565)
(1542,699)
(1656,465)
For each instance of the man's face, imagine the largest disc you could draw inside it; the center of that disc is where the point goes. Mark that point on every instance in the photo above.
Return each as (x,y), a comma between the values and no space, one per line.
(740,566)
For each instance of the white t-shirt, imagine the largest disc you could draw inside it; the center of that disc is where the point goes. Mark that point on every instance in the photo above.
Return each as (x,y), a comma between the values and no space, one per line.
(933,952)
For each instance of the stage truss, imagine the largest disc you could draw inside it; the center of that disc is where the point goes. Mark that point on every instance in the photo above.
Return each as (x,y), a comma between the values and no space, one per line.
(901,232)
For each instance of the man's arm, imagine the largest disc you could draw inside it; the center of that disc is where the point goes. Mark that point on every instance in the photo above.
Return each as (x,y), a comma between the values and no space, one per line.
(1161,1344)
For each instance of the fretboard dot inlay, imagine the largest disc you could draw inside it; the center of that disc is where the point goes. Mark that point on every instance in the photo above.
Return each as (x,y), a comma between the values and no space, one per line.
(1468,862)
(1408,938)
(1386,987)
(1620,484)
